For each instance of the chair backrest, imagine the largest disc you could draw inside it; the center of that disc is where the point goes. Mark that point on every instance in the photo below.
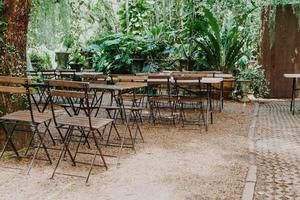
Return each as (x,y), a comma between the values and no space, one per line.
(160,83)
(16,85)
(94,78)
(32,73)
(72,93)
(132,78)
(49,74)
(187,85)
(158,79)
(68,74)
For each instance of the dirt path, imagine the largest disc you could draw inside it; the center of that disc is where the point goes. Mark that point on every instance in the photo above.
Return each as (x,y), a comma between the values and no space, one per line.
(173,164)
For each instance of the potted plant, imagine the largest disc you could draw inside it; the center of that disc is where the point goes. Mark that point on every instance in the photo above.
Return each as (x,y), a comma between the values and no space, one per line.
(245,88)
(62,59)
(77,59)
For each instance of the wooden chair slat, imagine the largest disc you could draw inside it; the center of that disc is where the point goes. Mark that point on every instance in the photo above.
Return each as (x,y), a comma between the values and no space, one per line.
(14,80)
(13,90)
(67,84)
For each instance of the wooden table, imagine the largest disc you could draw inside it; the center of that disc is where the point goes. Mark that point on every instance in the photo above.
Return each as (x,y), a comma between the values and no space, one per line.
(294,89)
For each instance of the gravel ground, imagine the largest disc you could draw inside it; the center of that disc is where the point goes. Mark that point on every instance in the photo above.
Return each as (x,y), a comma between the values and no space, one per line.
(173,164)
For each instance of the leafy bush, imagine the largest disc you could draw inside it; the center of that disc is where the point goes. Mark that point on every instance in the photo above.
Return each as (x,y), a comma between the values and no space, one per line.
(259,84)
(116,53)
(220,43)
(40,61)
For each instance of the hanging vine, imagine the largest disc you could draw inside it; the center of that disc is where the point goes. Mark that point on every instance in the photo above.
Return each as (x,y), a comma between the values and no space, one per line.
(52,21)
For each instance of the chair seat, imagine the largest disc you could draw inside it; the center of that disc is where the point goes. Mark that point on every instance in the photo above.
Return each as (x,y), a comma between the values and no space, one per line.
(24,116)
(83,121)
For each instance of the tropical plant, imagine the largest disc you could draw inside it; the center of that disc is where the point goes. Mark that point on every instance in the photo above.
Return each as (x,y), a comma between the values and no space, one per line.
(113,53)
(221,43)
(116,53)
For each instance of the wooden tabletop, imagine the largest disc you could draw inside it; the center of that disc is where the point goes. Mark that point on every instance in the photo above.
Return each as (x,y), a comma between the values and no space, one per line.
(291,75)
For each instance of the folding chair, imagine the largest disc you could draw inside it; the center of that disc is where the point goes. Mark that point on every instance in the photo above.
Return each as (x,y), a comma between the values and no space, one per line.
(190,94)
(20,86)
(135,97)
(118,110)
(160,96)
(70,124)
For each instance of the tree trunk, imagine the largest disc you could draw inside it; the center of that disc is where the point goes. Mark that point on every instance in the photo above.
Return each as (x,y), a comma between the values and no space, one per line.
(279,49)
(13,53)
(13,58)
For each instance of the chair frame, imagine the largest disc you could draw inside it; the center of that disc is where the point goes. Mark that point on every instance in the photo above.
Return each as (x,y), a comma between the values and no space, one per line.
(23,90)
(81,93)
(192,86)
(161,82)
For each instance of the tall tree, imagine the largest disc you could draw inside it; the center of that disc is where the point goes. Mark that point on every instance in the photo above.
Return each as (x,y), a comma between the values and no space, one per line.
(15,17)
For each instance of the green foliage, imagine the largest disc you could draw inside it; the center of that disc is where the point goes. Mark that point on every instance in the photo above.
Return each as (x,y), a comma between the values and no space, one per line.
(40,61)
(116,53)
(220,43)
(52,21)
(254,73)
(136,18)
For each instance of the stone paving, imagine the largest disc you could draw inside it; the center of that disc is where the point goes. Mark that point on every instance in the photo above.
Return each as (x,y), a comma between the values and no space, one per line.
(277,145)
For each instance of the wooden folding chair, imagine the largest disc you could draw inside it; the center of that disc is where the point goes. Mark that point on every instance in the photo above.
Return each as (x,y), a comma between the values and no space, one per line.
(71,124)
(190,94)
(20,86)
(160,96)
(136,98)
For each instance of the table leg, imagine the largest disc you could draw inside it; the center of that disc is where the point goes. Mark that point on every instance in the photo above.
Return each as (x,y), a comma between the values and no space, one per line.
(210,103)
(292,106)
(221,97)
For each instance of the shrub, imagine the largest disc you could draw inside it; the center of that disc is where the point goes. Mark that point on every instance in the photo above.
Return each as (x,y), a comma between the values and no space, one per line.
(40,61)
(259,84)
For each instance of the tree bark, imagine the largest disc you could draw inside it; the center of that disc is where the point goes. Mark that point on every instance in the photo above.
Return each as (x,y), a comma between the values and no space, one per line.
(13,54)
(17,18)
(13,57)
(279,49)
